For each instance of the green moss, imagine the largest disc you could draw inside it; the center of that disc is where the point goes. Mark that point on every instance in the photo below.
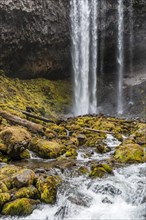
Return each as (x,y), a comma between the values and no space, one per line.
(83,170)
(130,153)
(25,154)
(47,149)
(107,168)
(44,96)
(14,139)
(3,187)
(27,192)
(99,170)
(4,197)
(48,188)
(19,207)
(71,153)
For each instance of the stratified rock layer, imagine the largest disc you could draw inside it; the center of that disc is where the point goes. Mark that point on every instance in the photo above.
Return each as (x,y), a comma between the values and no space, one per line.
(35,38)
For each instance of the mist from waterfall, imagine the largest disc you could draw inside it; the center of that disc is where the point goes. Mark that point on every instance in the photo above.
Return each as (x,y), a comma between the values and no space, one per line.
(84,55)
(120,56)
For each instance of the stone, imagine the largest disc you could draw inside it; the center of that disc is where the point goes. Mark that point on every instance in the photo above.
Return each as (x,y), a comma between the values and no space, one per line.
(19,207)
(4,197)
(24,177)
(130,153)
(48,188)
(47,149)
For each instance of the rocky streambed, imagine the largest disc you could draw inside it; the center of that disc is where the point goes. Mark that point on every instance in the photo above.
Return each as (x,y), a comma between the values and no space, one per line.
(78,168)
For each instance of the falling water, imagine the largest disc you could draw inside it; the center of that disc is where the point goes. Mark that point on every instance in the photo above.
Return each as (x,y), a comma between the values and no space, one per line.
(131,47)
(120,56)
(84,49)
(93,89)
(103,34)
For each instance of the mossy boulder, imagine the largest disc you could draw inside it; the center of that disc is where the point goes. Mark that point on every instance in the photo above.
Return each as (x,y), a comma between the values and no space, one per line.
(30,192)
(47,149)
(99,170)
(24,177)
(48,188)
(71,153)
(4,197)
(14,140)
(19,207)
(101,148)
(83,170)
(3,187)
(130,153)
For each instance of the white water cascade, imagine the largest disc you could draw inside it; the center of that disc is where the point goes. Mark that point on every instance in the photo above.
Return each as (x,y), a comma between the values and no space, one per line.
(84,55)
(103,35)
(120,56)
(131,41)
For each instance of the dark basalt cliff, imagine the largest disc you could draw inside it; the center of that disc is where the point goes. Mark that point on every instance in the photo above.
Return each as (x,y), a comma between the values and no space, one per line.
(35,37)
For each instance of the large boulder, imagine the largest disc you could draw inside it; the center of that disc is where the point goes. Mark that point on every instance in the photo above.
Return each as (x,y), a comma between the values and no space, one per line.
(47,149)
(13,142)
(48,188)
(130,153)
(19,207)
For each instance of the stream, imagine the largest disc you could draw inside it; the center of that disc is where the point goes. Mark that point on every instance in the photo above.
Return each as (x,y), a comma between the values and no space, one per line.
(120,196)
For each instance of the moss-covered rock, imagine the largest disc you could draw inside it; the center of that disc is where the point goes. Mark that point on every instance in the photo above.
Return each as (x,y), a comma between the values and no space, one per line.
(47,149)
(4,197)
(130,153)
(83,170)
(14,140)
(99,170)
(19,207)
(3,187)
(71,153)
(102,148)
(25,154)
(48,188)
(27,192)
(24,177)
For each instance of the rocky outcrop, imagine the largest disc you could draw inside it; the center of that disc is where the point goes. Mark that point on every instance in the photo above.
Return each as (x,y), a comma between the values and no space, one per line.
(35,38)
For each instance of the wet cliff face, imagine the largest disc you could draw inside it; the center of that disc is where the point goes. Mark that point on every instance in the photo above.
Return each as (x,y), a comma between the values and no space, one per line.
(108,29)
(35,38)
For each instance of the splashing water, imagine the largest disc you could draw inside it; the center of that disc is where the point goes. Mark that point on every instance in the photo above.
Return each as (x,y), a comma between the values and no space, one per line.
(118,197)
(84,54)
(120,56)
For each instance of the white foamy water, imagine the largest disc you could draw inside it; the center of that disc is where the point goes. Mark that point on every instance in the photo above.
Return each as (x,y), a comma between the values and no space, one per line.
(117,197)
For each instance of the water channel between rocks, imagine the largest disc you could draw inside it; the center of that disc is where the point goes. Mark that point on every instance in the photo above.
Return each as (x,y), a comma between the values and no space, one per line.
(120,196)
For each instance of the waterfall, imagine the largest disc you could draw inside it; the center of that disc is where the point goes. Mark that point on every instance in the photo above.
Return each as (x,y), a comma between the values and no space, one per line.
(84,55)
(120,56)
(131,47)
(103,35)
